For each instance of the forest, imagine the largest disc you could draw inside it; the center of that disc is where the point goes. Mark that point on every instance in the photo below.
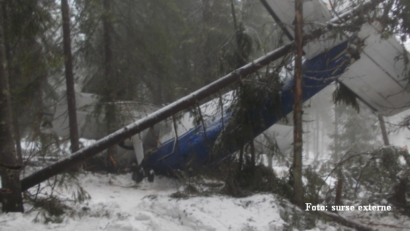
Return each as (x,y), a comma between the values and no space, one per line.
(187,109)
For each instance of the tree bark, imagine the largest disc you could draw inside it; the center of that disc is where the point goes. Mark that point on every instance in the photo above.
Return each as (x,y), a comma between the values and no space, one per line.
(336,138)
(253,155)
(69,77)
(17,135)
(297,111)
(15,120)
(384,132)
(10,161)
(341,220)
(240,159)
(111,96)
(338,197)
(308,130)
(158,94)
(317,135)
(400,190)
(206,65)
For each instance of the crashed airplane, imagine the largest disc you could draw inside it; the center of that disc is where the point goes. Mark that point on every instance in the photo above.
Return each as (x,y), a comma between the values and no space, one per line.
(371,67)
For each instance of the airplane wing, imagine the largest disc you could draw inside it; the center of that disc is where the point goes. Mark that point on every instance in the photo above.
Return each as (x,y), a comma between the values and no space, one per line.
(380,77)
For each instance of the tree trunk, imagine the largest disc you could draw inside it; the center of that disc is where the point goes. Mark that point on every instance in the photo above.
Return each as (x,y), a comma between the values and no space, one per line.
(69,77)
(10,162)
(297,111)
(341,220)
(110,117)
(240,159)
(338,198)
(17,136)
(308,131)
(206,70)
(317,137)
(400,190)
(384,132)
(16,131)
(158,94)
(336,138)
(253,155)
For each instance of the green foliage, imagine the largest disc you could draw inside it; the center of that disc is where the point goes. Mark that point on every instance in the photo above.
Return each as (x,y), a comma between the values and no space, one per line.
(255,179)
(236,53)
(343,95)
(256,94)
(357,132)
(396,18)
(32,55)
(369,176)
(70,183)
(403,12)
(51,210)
(379,174)
(297,219)
(314,183)
(154,49)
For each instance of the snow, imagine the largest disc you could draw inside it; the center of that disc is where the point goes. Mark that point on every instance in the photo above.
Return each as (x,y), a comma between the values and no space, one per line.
(117,203)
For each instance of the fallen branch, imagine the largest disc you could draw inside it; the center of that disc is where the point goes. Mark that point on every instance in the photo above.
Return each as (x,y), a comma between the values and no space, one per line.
(341,220)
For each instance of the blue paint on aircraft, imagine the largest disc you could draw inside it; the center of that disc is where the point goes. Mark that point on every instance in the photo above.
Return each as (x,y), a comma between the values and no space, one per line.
(194,147)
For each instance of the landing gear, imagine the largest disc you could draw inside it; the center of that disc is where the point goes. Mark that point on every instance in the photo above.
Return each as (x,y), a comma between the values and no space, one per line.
(139,173)
(150,175)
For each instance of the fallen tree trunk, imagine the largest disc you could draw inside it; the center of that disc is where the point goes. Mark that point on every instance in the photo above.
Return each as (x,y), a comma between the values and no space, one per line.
(152,119)
(177,106)
(343,221)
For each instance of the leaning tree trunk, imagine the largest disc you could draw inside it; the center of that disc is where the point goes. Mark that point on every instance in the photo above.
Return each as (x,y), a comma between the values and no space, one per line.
(152,119)
(69,76)
(10,161)
(297,111)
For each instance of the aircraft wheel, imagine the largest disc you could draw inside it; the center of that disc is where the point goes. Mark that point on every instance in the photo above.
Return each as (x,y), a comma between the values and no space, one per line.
(138,175)
(151,175)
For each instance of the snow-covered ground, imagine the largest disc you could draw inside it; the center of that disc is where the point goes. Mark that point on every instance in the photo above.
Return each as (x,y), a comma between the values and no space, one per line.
(119,204)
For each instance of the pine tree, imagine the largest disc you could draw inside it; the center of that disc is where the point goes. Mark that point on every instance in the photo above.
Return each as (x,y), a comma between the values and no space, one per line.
(30,59)
(357,131)
(34,63)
